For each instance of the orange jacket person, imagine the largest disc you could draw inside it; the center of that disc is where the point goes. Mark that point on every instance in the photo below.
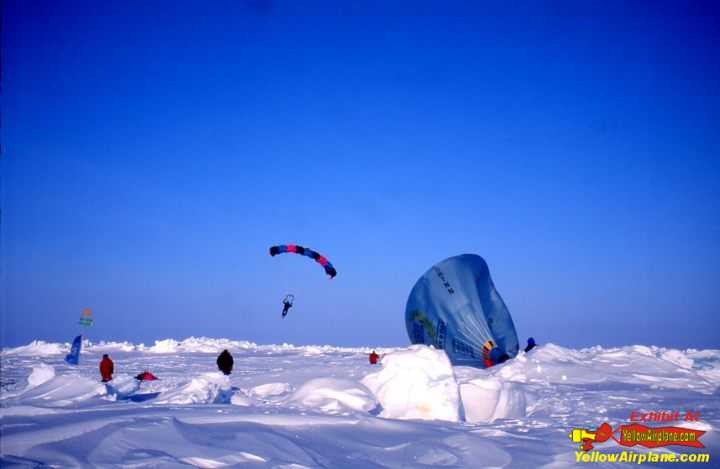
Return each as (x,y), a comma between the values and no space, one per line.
(106,368)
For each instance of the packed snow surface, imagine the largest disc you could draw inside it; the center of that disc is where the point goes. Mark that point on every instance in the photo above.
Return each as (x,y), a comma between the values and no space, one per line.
(287,406)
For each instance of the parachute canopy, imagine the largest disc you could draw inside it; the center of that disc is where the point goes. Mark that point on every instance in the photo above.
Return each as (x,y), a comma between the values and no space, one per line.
(454,306)
(294,248)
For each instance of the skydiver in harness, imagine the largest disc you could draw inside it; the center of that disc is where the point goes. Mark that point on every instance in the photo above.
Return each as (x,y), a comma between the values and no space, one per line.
(287,304)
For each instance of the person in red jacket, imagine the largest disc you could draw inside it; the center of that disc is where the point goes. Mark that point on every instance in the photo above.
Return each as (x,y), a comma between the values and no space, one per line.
(373,358)
(106,368)
(487,347)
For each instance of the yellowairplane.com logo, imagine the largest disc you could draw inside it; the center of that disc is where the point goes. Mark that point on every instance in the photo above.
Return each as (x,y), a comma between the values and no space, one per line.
(638,433)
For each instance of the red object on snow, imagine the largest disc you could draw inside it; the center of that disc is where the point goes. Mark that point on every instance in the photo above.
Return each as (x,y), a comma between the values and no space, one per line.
(373,358)
(146,376)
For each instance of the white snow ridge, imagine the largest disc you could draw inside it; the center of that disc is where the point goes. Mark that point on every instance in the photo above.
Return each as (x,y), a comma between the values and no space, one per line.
(416,384)
(287,406)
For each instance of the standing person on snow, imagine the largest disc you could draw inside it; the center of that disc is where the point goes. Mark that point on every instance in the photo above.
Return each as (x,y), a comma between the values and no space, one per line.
(373,358)
(225,362)
(106,368)
(530,345)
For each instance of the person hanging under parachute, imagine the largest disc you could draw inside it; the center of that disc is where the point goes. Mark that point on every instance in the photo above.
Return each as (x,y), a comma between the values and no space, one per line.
(287,304)
(307,252)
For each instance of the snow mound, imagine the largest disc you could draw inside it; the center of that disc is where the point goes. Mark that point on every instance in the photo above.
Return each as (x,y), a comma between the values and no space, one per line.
(105,347)
(655,367)
(61,391)
(678,358)
(38,348)
(164,346)
(208,388)
(239,399)
(187,345)
(711,354)
(557,354)
(40,374)
(198,345)
(312,350)
(271,389)
(417,383)
(334,396)
(490,398)
(122,386)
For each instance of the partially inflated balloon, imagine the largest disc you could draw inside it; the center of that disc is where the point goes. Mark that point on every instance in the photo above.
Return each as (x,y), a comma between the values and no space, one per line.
(454,306)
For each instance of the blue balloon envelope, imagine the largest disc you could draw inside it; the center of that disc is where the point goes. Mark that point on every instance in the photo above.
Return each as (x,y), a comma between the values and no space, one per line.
(455,306)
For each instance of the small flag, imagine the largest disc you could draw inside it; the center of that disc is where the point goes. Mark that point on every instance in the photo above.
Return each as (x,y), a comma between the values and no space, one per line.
(86,317)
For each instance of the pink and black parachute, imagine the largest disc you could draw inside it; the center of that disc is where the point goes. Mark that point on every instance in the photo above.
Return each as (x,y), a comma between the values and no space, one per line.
(294,248)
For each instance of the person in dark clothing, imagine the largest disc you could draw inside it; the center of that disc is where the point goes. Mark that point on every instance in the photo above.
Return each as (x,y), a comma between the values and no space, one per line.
(225,362)
(373,358)
(286,307)
(106,368)
(493,355)
(530,345)
(497,356)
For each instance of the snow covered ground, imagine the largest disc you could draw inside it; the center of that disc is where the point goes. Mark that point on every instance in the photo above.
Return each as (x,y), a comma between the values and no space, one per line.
(322,406)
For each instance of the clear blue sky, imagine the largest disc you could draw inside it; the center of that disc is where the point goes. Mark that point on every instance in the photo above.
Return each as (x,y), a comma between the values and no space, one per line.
(153,151)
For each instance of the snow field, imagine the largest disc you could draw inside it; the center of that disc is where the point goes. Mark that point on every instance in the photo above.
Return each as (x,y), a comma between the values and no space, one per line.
(323,406)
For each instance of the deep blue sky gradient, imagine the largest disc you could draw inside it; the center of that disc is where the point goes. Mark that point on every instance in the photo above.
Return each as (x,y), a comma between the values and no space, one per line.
(153,151)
